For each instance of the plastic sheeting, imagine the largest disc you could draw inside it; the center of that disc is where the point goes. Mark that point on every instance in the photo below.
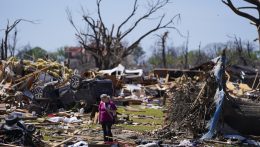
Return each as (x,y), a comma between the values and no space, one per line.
(219,98)
(218,70)
(79,144)
(64,119)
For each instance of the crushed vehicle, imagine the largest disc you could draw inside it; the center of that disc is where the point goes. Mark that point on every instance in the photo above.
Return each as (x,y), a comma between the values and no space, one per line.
(87,90)
(16,132)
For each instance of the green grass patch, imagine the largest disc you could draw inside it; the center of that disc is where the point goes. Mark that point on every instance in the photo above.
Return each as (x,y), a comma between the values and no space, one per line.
(47,138)
(143,127)
(147,112)
(148,120)
(92,126)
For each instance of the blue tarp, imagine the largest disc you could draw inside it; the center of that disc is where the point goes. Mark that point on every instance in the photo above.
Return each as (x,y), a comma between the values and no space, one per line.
(219,70)
(219,98)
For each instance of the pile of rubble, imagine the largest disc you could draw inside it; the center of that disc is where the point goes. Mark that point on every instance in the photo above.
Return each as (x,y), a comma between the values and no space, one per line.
(190,105)
(31,89)
(23,88)
(25,79)
(205,102)
(218,105)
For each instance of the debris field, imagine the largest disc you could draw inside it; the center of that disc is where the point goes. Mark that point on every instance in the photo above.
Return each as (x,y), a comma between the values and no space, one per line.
(45,103)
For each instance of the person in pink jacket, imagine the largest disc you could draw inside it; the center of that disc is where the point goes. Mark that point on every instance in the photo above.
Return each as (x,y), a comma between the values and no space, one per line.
(107,112)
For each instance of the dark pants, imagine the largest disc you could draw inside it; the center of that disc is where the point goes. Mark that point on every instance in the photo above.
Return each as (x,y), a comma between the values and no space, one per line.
(93,112)
(106,126)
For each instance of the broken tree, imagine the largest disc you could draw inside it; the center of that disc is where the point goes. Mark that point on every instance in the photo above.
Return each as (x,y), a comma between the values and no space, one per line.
(107,45)
(245,12)
(5,41)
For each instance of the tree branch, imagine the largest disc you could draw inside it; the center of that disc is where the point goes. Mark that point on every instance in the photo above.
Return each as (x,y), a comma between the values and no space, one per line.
(69,16)
(159,26)
(13,46)
(239,8)
(102,28)
(254,2)
(93,26)
(86,35)
(240,13)
(16,22)
(91,50)
(106,45)
(153,8)
(5,45)
(127,19)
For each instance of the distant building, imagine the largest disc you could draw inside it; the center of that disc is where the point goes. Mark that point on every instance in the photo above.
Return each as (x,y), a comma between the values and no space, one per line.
(78,58)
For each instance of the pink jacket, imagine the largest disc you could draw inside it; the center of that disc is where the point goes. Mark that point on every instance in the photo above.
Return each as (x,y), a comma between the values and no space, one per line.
(103,113)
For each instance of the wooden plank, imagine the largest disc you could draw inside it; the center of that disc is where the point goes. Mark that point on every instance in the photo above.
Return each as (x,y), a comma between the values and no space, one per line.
(2,107)
(218,142)
(80,136)
(167,78)
(197,98)
(8,145)
(23,118)
(99,144)
(96,118)
(255,79)
(32,74)
(67,140)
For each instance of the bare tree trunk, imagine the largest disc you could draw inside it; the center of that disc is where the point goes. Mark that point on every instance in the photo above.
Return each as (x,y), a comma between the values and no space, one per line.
(5,46)
(12,47)
(6,41)
(163,55)
(249,49)
(2,49)
(186,52)
(98,39)
(239,49)
(163,49)
(97,62)
(107,63)
(198,60)
(162,43)
(258,31)
(5,56)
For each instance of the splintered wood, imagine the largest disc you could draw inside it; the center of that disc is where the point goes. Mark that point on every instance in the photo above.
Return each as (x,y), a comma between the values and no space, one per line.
(190,102)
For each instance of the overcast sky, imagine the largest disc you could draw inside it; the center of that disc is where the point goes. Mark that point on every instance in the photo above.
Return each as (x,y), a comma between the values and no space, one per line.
(206,20)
